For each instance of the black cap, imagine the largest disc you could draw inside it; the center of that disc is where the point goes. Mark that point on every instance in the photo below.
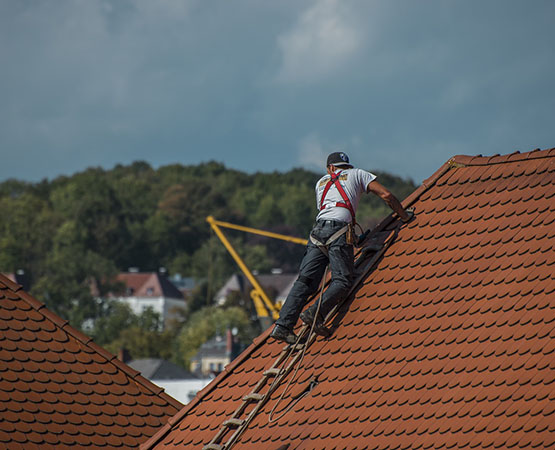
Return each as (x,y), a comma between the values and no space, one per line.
(338,159)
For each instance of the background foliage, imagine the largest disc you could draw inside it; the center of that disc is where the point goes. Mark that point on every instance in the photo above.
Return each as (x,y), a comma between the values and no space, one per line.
(71,231)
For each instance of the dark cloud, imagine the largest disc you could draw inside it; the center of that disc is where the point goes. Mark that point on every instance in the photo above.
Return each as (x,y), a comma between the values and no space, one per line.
(401,86)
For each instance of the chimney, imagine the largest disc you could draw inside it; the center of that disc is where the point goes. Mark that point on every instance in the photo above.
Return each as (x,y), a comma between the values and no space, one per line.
(123,355)
(229,344)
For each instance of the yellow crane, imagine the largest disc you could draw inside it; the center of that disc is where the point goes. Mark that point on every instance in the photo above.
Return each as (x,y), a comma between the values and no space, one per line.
(266,309)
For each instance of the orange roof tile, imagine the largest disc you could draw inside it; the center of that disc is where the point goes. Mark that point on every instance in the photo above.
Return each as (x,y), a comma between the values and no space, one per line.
(448,343)
(58,389)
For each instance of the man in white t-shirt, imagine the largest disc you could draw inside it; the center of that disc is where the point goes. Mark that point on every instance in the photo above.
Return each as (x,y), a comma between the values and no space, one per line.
(337,196)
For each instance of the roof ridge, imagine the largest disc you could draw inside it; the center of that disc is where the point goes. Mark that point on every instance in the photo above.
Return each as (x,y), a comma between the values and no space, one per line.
(88,342)
(479,160)
(461,161)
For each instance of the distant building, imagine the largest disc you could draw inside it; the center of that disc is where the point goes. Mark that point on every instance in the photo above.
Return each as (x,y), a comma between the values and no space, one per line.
(144,290)
(215,354)
(276,284)
(176,381)
(184,284)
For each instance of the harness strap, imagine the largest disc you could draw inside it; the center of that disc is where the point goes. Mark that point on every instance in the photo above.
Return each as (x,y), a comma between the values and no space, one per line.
(334,179)
(324,245)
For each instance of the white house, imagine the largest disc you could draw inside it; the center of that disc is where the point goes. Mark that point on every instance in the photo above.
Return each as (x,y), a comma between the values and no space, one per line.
(150,290)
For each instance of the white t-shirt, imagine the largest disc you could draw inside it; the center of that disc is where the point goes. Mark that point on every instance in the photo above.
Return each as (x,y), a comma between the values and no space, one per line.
(353,181)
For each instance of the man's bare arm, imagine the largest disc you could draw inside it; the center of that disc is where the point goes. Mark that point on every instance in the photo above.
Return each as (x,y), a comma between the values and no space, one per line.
(389,198)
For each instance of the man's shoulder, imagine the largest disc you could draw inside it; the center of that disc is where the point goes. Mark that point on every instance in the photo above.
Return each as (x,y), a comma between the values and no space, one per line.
(322,181)
(363,173)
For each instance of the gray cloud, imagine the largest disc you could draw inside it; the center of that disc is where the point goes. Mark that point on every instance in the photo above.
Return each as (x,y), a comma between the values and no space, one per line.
(402,86)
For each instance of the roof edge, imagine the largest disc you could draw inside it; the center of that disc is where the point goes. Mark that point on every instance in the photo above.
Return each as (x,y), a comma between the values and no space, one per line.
(87,341)
(9,283)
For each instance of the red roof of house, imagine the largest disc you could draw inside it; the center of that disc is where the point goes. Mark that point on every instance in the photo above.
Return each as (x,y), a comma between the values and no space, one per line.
(449,343)
(60,390)
(148,284)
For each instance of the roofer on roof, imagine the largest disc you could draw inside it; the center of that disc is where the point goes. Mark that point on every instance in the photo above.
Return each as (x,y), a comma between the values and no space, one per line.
(331,240)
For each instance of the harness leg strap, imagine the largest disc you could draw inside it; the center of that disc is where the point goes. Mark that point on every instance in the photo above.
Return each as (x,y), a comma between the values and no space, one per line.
(323,246)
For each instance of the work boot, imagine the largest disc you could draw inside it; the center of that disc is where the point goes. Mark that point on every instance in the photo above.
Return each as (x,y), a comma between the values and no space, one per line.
(283,334)
(307,317)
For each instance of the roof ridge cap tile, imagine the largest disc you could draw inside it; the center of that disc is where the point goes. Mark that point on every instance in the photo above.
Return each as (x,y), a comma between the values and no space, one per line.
(88,341)
(480,160)
(465,160)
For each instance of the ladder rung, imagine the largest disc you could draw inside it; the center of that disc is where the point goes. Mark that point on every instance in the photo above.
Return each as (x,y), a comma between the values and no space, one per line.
(212,447)
(274,371)
(253,397)
(233,423)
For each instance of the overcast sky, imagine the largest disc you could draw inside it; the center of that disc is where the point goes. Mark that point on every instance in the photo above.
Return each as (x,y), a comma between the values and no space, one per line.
(263,85)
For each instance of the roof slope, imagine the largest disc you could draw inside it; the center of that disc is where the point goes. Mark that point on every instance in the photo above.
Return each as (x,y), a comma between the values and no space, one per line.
(449,343)
(59,390)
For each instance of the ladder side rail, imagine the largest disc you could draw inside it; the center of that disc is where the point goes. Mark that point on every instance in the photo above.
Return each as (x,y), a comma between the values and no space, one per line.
(233,439)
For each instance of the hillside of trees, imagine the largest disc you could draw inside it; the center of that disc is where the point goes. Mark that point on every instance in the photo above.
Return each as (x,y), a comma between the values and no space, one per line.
(72,230)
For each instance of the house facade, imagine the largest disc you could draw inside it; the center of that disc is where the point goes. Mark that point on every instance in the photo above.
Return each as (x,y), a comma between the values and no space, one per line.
(143,290)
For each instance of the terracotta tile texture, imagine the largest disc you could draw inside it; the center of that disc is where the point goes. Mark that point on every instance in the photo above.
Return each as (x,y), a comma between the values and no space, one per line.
(60,390)
(448,343)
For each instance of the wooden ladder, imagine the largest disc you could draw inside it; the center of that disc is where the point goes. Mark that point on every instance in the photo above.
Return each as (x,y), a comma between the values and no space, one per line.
(240,419)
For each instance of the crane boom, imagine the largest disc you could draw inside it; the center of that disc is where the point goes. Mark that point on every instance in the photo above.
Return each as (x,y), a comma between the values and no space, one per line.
(261,300)
(283,237)
(266,309)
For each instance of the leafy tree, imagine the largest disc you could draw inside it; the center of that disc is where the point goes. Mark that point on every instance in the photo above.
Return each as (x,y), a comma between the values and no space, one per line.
(68,272)
(141,335)
(207,323)
(201,297)
(111,319)
(91,203)
(144,343)
(81,229)
(26,224)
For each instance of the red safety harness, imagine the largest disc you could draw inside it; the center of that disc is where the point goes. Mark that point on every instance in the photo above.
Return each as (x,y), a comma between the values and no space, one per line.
(346,202)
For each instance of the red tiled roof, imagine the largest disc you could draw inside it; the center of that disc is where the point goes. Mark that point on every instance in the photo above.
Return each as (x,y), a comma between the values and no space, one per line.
(60,390)
(149,284)
(449,343)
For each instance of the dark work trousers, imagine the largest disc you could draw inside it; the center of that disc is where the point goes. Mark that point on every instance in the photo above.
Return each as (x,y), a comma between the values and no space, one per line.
(313,265)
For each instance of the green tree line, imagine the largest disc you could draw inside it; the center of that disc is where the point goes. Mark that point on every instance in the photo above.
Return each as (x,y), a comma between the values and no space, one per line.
(72,231)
